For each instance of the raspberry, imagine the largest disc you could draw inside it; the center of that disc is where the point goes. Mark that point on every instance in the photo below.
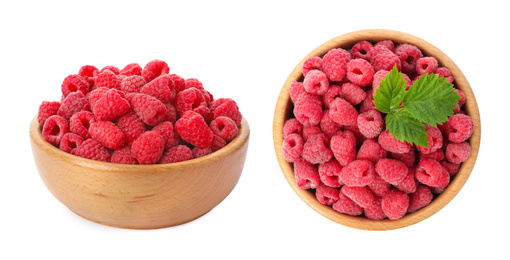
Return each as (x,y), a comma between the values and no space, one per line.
(131,125)
(379,186)
(409,183)
(329,173)
(107,79)
(111,68)
(149,109)
(374,211)
(166,130)
(88,71)
(316,82)
(73,103)
(459,128)
(296,88)
(55,127)
(47,109)
(353,93)
(432,173)
(193,83)
(360,195)
(334,64)
(458,152)
(368,102)
(74,83)
(111,105)
(378,76)
(361,49)
(409,55)
(360,138)
(193,129)
(444,72)
(292,126)
(148,148)
(407,158)
(347,206)
(370,123)
(124,156)
(328,126)
(171,113)
(391,144)
(179,82)
(435,140)
(371,150)
(343,112)
(226,107)
(177,153)
(306,175)
(308,109)
(426,65)
(80,122)
(360,72)
(224,127)
(153,69)
(161,88)
(395,204)
(452,168)
(189,99)
(69,142)
(461,102)
(132,84)
(358,173)
(198,152)
(217,143)
(310,130)
(327,195)
(311,63)
(333,92)
(107,134)
(343,146)
(92,149)
(316,149)
(438,155)
(386,43)
(391,170)
(132,69)
(382,58)
(420,198)
(94,95)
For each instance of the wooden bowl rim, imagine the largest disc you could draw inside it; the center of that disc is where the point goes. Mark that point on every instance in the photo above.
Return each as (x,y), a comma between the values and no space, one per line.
(346,41)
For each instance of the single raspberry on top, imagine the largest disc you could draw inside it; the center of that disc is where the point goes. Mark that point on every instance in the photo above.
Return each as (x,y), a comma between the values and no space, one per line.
(334,64)
(155,68)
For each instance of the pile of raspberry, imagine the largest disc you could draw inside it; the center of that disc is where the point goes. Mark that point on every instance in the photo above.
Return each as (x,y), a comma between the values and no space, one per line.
(137,115)
(340,148)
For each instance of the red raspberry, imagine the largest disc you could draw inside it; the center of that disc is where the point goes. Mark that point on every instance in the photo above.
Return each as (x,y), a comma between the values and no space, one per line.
(154,69)
(458,152)
(92,149)
(47,109)
(292,126)
(179,82)
(217,143)
(131,125)
(420,198)
(328,126)
(382,58)
(80,123)
(94,95)
(371,150)
(190,99)
(124,156)
(459,128)
(177,153)
(438,155)
(148,148)
(149,109)
(107,79)
(74,83)
(108,134)
(407,158)
(347,206)
(360,195)
(308,109)
(193,83)
(426,65)
(55,127)
(353,93)
(329,173)
(171,113)
(333,92)
(432,173)
(409,183)
(391,170)
(343,146)
(360,72)
(368,102)
(386,43)
(343,112)
(311,63)
(292,147)
(444,72)
(391,144)
(161,88)
(452,168)
(193,129)
(296,88)
(375,211)
(360,138)
(306,175)
(358,173)
(224,127)
(379,186)
(316,149)
(435,140)
(395,204)
(361,49)
(226,107)
(198,152)
(378,77)
(327,195)
(310,130)
(111,105)
(88,71)
(316,82)
(166,130)
(370,123)
(409,55)
(334,64)
(111,68)
(73,103)
(132,69)
(132,84)
(69,142)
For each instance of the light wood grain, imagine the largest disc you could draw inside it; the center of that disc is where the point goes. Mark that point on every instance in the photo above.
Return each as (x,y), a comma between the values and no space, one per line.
(140,196)
(283,111)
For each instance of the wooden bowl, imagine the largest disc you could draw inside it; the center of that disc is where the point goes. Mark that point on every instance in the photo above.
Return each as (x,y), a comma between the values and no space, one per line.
(140,196)
(283,111)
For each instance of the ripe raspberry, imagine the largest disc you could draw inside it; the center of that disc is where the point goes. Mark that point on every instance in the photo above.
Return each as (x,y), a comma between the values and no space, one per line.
(166,130)
(316,149)
(217,142)
(311,63)
(327,195)
(74,83)
(407,158)
(395,204)
(310,130)
(192,128)
(368,102)
(111,105)
(198,152)
(370,123)
(73,103)
(361,49)
(88,71)
(438,155)
(343,146)
(386,43)
(458,152)
(382,58)
(306,175)
(107,134)
(444,72)
(328,126)
(409,183)
(371,150)
(343,112)
(360,195)
(452,168)
(296,88)
(316,82)
(132,84)
(333,92)
(360,72)
(292,126)
(378,76)
(308,109)
(124,156)
(334,64)
(131,125)
(329,173)
(224,127)
(461,102)
(226,107)
(358,173)
(391,144)
(80,122)
(426,65)
(148,148)
(111,68)
(353,93)
(154,69)
(432,173)
(55,127)
(420,198)
(47,109)
(161,88)
(179,82)
(435,140)
(107,79)
(347,206)
(409,55)
(92,149)
(94,95)
(379,186)
(149,109)
(193,83)
(375,211)
(189,99)
(171,112)
(459,128)
(132,69)
(177,153)
(69,142)
(391,170)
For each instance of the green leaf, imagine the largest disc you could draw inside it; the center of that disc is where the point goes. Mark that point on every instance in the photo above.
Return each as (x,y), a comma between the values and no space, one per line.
(431,99)
(405,127)
(391,91)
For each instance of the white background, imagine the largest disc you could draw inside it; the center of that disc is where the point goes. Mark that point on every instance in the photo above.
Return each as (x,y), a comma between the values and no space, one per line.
(243,50)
